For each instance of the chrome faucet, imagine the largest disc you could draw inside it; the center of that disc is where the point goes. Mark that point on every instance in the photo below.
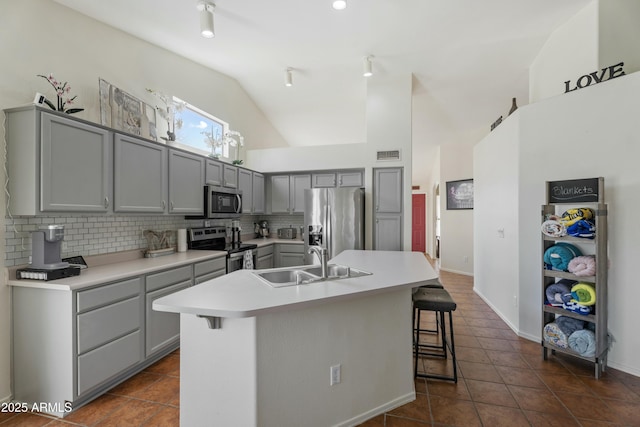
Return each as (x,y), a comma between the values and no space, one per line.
(322,255)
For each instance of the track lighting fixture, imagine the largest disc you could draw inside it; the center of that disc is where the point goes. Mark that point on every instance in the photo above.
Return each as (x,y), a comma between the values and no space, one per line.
(339,4)
(367,67)
(288,79)
(206,18)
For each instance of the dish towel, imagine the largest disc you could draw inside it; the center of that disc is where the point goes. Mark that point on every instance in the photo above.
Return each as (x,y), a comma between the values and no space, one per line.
(247,261)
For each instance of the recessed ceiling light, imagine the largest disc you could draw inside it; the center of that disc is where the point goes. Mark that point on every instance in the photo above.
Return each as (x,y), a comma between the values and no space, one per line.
(206,18)
(339,4)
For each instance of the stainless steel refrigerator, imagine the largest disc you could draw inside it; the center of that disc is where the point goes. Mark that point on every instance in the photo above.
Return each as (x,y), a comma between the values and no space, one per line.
(334,219)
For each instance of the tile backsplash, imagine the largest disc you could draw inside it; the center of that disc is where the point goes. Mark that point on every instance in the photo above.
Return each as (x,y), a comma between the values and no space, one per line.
(100,234)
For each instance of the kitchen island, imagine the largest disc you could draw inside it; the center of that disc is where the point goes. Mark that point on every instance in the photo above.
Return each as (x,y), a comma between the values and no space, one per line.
(255,355)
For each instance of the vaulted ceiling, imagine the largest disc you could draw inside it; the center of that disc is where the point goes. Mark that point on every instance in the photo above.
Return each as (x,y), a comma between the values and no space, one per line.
(468,57)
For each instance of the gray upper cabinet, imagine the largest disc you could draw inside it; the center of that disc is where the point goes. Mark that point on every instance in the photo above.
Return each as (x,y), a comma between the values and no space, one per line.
(323,180)
(287,193)
(258,193)
(350,179)
(229,176)
(388,209)
(186,181)
(75,165)
(140,176)
(245,185)
(214,173)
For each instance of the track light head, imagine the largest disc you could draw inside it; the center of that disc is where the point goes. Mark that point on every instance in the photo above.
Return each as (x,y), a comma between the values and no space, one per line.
(367,67)
(206,18)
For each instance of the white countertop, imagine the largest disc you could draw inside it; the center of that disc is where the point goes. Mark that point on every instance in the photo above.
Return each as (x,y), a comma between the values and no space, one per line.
(242,294)
(121,270)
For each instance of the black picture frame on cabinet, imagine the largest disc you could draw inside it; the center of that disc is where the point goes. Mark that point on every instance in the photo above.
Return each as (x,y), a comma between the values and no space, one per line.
(460,194)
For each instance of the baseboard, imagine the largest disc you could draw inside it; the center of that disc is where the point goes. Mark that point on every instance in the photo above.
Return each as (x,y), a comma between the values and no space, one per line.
(505,319)
(359,419)
(6,399)
(464,273)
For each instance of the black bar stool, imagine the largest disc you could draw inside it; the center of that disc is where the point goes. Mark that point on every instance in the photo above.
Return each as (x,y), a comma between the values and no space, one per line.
(435,285)
(439,301)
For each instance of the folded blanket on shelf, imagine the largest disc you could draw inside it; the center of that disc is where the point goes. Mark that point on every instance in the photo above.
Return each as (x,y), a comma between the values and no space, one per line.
(559,292)
(576,307)
(554,335)
(554,228)
(569,325)
(583,342)
(583,265)
(582,228)
(558,256)
(584,294)
(572,216)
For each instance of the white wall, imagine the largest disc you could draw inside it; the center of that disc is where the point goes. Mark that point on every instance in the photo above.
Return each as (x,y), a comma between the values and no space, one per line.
(456,226)
(41,37)
(587,133)
(570,52)
(495,220)
(388,128)
(619,33)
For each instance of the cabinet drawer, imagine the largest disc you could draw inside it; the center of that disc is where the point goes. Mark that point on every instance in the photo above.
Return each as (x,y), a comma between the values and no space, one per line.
(265,250)
(288,247)
(169,277)
(202,279)
(162,328)
(107,361)
(102,325)
(103,295)
(210,266)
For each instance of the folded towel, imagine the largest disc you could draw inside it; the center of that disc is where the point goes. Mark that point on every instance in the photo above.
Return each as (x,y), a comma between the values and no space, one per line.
(583,265)
(582,228)
(576,307)
(572,216)
(569,325)
(583,342)
(559,292)
(557,257)
(554,335)
(584,294)
(554,228)
(247,260)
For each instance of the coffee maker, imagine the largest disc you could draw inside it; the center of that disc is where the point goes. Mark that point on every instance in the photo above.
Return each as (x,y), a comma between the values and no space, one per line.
(46,256)
(235,232)
(46,247)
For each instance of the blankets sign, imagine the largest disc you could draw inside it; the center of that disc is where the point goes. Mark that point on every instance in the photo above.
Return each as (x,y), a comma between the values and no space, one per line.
(575,190)
(607,73)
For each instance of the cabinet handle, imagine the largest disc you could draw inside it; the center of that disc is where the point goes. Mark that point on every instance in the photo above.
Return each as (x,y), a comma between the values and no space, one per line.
(106,202)
(377,208)
(172,205)
(164,204)
(334,182)
(341,182)
(377,220)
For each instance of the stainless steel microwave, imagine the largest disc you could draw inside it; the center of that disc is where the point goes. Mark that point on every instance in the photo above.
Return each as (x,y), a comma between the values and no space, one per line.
(222,202)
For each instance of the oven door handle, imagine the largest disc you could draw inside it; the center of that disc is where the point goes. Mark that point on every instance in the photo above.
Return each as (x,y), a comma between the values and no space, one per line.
(236,255)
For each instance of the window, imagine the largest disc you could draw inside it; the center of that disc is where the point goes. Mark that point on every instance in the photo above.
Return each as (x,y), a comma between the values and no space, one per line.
(201,132)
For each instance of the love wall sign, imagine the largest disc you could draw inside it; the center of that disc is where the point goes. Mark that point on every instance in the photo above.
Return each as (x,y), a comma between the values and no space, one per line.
(603,75)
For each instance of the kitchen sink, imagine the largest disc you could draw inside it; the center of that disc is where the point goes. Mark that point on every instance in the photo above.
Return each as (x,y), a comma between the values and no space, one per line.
(306,275)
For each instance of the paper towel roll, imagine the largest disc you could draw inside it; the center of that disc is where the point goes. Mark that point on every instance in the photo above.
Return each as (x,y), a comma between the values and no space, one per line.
(182,240)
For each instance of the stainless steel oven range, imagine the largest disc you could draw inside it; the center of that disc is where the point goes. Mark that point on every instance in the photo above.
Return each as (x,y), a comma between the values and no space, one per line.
(215,239)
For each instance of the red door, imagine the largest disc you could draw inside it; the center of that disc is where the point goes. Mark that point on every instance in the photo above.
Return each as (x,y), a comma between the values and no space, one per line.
(418,223)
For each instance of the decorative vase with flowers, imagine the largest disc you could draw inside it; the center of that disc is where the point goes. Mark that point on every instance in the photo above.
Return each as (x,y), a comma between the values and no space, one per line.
(62,93)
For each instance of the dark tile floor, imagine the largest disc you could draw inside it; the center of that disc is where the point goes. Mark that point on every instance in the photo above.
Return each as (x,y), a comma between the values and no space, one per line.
(503,381)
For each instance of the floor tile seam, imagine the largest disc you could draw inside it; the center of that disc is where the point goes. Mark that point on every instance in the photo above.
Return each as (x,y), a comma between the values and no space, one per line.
(151,401)
(404,417)
(552,393)
(109,413)
(593,395)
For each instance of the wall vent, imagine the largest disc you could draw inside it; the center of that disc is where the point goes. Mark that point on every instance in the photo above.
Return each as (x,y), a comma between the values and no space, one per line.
(388,155)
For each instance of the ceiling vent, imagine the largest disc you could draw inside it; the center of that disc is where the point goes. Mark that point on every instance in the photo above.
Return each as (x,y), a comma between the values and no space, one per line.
(388,155)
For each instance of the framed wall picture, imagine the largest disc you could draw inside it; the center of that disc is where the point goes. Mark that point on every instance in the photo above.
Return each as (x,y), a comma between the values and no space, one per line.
(122,111)
(460,194)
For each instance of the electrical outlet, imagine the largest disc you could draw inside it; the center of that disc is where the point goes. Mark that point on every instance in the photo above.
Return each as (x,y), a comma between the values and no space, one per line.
(336,374)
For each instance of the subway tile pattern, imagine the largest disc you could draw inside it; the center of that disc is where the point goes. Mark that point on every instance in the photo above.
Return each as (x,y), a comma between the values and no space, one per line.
(101,234)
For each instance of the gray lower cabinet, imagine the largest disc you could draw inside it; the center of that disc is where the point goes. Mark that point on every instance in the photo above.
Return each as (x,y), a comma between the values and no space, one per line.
(186,182)
(289,254)
(388,232)
(140,175)
(207,270)
(72,346)
(162,328)
(264,257)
